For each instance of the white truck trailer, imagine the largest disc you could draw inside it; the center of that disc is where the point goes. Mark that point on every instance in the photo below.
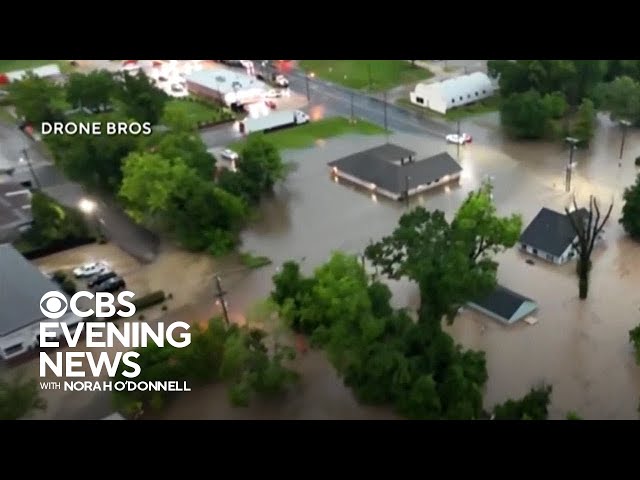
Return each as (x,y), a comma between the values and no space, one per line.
(273,121)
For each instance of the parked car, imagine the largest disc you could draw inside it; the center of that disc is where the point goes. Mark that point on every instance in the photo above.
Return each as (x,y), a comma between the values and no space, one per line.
(271,104)
(281,81)
(273,94)
(162,78)
(90,269)
(176,87)
(111,285)
(101,278)
(459,139)
(229,154)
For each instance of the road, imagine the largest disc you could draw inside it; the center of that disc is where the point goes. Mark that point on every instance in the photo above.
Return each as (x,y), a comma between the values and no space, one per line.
(116,225)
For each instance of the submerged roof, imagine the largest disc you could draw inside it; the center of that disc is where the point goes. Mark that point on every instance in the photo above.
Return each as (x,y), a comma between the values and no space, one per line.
(381,167)
(506,304)
(551,231)
(15,206)
(22,285)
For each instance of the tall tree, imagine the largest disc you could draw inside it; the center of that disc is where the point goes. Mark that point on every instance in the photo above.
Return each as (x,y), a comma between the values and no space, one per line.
(588,232)
(141,99)
(452,264)
(630,219)
(92,90)
(53,222)
(177,118)
(186,147)
(621,98)
(585,123)
(533,406)
(525,115)
(37,99)
(261,166)
(19,398)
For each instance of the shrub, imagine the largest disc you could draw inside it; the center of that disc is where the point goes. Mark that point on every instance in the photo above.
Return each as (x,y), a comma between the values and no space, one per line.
(164,308)
(149,300)
(637,161)
(69,286)
(59,276)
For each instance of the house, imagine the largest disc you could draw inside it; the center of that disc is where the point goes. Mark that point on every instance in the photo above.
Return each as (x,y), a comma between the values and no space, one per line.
(225,86)
(392,170)
(505,305)
(453,92)
(551,235)
(15,210)
(22,286)
(51,72)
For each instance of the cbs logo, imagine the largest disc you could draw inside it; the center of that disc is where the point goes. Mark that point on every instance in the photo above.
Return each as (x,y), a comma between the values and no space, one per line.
(54,304)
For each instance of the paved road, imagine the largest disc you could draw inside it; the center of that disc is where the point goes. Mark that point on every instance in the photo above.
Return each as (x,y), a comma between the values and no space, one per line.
(117,226)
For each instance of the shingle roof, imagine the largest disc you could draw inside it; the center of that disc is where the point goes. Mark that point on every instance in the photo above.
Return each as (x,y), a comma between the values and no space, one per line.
(502,302)
(376,166)
(21,288)
(15,201)
(551,232)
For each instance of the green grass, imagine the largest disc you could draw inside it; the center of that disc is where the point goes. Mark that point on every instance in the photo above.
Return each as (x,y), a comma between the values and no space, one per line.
(11,65)
(385,74)
(254,261)
(491,104)
(6,117)
(304,136)
(197,111)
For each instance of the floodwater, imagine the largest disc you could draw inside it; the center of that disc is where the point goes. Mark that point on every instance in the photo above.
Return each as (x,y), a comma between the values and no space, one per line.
(580,347)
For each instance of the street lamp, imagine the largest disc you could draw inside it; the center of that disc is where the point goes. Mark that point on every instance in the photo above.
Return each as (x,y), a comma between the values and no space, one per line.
(307,77)
(625,124)
(572,142)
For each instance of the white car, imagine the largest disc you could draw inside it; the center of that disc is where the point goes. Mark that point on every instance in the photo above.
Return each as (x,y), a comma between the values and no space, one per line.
(459,139)
(90,269)
(273,94)
(229,154)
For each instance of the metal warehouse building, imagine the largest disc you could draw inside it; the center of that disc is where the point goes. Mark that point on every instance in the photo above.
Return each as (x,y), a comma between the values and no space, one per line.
(225,86)
(453,92)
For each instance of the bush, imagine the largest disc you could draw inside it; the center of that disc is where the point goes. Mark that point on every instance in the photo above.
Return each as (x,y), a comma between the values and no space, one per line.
(69,286)
(59,276)
(254,261)
(637,161)
(149,300)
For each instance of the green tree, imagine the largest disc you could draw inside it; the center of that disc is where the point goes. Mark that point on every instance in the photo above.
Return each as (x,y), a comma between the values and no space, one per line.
(452,264)
(177,118)
(53,222)
(141,99)
(573,416)
(260,165)
(37,99)
(634,337)
(621,98)
(533,406)
(19,398)
(170,195)
(93,160)
(630,219)
(93,90)
(185,147)
(585,122)
(556,104)
(525,115)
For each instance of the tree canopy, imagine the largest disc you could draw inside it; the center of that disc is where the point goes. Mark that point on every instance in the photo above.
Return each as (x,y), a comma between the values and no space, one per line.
(53,222)
(630,219)
(19,398)
(533,406)
(37,99)
(141,100)
(92,90)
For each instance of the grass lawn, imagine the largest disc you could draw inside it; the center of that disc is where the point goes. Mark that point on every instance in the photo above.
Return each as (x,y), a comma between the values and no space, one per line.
(385,74)
(11,65)
(306,135)
(491,104)
(199,111)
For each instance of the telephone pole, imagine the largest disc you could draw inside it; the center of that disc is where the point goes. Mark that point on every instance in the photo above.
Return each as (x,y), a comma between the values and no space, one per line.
(220,294)
(386,127)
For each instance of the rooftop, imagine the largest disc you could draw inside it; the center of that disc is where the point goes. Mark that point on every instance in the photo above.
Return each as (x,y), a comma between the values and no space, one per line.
(15,207)
(21,288)
(452,87)
(224,81)
(506,304)
(382,167)
(51,70)
(551,231)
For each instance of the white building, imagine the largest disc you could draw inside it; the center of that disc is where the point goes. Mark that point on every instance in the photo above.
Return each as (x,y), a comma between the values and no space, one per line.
(453,92)
(226,86)
(22,286)
(46,71)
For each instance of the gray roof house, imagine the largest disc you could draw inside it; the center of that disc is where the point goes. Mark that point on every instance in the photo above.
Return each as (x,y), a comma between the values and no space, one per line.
(505,305)
(22,285)
(15,210)
(551,235)
(393,171)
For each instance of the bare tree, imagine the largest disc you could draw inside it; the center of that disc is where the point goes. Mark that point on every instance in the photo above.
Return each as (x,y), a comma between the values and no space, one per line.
(588,232)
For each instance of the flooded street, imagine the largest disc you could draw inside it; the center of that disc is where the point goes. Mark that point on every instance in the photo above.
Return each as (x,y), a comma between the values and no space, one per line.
(580,347)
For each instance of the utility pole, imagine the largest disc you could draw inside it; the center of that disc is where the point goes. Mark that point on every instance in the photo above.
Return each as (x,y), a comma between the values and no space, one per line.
(567,181)
(406,189)
(353,119)
(386,130)
(26,158)
(306,77)
(458,140)
(625,124)
(221,294)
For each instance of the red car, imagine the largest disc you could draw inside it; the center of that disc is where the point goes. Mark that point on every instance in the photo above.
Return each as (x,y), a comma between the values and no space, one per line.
(271,104)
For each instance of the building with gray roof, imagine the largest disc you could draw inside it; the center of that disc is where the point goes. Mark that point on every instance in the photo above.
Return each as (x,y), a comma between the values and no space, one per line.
(22,285)
(15,210)
(226,86)
(505,305)
(394,172)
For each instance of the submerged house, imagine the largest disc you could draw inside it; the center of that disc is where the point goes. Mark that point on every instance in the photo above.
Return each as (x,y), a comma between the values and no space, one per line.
(505,306)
